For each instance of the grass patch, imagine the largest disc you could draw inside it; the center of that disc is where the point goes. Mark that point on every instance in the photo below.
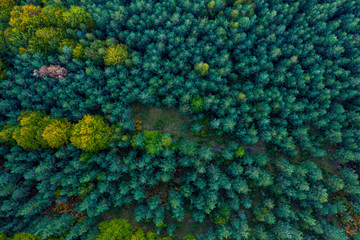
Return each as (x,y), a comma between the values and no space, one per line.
(164,120)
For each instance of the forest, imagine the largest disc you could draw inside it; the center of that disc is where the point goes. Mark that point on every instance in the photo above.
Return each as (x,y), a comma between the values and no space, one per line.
(179,119)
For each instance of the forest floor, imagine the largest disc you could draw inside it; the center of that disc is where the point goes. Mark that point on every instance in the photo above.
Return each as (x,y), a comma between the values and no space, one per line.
(168,120)
(164,120)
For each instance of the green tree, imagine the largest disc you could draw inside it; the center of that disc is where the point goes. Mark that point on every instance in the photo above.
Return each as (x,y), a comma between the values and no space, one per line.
(189,237)
(54,14)
(241,97)
(119,229)
(222,216)
(166,141)
(76,17)
(46,40)
(197,104)
(153,143)
(240,152)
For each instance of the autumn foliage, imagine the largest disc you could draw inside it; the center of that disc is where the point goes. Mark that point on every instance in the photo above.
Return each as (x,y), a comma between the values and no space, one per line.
(91,134)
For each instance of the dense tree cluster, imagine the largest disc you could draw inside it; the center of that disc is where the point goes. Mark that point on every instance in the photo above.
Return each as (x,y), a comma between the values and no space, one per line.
(285,73)
(242,196)
(35,130)
(119,229)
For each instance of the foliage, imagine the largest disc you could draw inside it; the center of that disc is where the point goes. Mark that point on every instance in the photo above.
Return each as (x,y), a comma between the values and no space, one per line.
(121,229)
(27,17)
(78,51)
(67,42)
(153,143)
(53,13)
(25,236)
(5,9)
(197,104)
(166,141)
(6,134)
(240,152)
(91,134)
(282,72)
(28,133)
(46,40)
(115,55)
(189,237)
(222,216)
(77,17)
(3,70)
(57,133)
(42,29)
(201,68)
(241,97)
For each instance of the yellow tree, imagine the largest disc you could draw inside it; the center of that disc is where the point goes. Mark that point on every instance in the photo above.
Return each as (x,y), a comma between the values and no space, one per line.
(91,134)
(57,133)
(6,135)
(5,9)
(115,55)
(27,17)
(28,133)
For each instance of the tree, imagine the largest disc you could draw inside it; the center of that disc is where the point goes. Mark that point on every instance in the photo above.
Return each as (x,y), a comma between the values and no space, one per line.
(115,229)
(67,42)
(206,153)
(78,51)
(46,40)
(28,134)
(91,134)
(222,215)
(96,51)
(27,17)
(153,143)
(335,183)
(25,236)
(189,237)
(115,55)
(54,14)
(201,68)
(6,134)
(76,17)
(57,133)
(5,9)
(197,104)
(240,152)
(166,141)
